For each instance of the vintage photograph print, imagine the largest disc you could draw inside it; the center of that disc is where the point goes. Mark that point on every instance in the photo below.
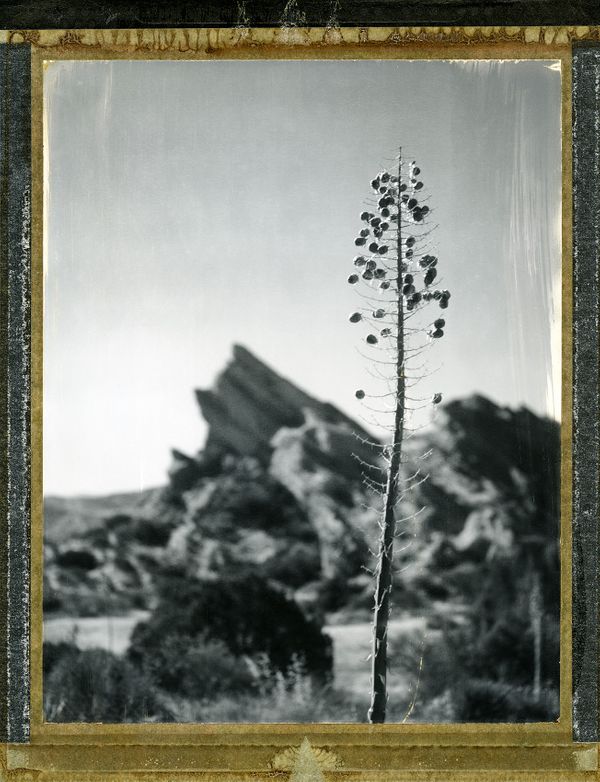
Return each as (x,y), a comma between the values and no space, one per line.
(302,391)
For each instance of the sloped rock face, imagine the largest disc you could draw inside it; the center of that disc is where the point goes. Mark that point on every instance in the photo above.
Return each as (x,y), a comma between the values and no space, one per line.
(490,504)
(250,403)
(490,460)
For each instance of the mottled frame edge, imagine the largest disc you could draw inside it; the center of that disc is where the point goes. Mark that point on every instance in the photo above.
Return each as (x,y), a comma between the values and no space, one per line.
(15,184)
(586,389)
(15,387)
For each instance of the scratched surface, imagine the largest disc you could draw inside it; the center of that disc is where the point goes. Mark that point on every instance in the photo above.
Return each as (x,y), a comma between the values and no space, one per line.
(15,200)
(586,226)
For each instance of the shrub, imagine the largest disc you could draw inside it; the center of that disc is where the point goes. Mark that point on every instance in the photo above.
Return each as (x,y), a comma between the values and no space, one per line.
(77,558)
(482,700)
(248,615)
(504,652)
(296,565)
(149,532)
(94,685)
(199,668)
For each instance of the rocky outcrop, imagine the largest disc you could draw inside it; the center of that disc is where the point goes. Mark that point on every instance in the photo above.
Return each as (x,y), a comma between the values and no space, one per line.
(250,403)
(278,489)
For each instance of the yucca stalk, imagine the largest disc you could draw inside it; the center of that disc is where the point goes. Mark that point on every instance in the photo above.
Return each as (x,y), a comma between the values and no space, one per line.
(402,217)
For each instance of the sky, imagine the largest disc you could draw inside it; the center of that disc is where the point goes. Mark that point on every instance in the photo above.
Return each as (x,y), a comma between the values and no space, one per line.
(193,205)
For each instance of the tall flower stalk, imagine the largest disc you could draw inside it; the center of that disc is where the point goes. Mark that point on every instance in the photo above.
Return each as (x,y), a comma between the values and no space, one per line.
(396,275)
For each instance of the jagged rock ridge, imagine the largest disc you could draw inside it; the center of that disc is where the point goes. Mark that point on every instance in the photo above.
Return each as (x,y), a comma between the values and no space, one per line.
(250,403)
(277,489)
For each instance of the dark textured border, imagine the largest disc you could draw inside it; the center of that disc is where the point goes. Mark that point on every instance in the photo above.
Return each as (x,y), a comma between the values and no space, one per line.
(586,425)
(15,229)
(53,14)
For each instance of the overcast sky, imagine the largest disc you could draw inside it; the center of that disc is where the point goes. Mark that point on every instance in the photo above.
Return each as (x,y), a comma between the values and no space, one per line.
(192,205)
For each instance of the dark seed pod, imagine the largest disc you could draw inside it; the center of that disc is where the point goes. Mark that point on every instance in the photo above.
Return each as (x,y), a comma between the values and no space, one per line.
(437,295)
(417,215)
(437,398)
(427,296)
(430,276)
(379,313)
(412,202)
(403,267)
(375,184)
(409,279)
(365,232)
(353,279)
(367,274)
(409,305)
(384,226)
(425,209)
(383,249)
(382,202)
(417,297)
(405,198)
(410,242)
(437,334)
(371,265)
(386,332)
(394,179)
(360,260)
(383,189)
(402,187)
(385,212)
(377,233)
(416,171)
(375,221)
(380,274)
(443,303)
(359,241)
(446,294)
(372,339)
(408,254)
(384,285)
(408,289)
(439,323)
(373,247)
(385,177)
(418,186)
(360,394)
(364,216)
(355,317)
(394,218)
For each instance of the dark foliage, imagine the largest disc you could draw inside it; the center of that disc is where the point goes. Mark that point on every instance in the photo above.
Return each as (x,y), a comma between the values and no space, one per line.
(76,558)
(244,612)
(199,668)
(295,566)
(482,700)
(504,653)
(248,498)
(95,686)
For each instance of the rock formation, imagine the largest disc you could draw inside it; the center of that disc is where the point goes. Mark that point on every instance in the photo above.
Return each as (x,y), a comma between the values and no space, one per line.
(278,489)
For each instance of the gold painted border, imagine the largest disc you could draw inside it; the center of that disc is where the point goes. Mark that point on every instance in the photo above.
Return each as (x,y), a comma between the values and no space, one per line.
(232,751)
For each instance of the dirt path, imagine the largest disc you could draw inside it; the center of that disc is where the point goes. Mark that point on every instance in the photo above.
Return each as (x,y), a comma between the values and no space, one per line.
(105,632)
(352,648)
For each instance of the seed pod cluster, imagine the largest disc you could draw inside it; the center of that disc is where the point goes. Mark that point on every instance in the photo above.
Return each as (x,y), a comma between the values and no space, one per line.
(397,201)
